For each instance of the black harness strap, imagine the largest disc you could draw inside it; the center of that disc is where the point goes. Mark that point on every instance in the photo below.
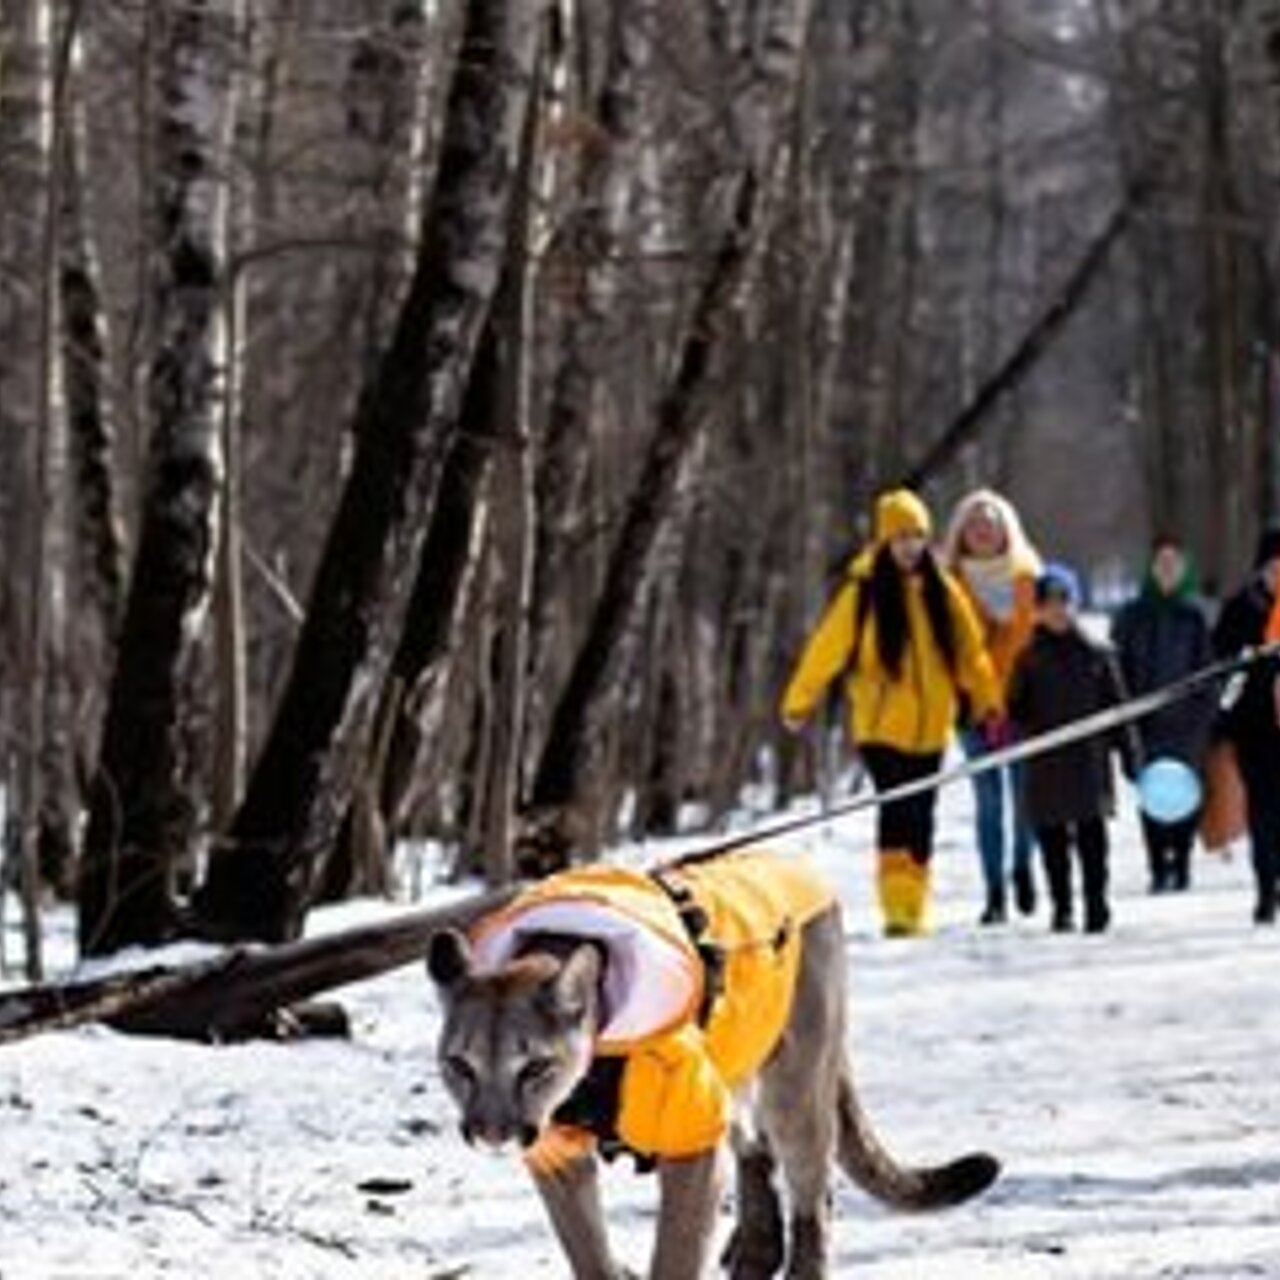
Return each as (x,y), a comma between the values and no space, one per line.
(696,924)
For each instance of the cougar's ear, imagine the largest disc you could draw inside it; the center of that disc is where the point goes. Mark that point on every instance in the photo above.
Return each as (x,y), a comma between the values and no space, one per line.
(448,958)
(574,989)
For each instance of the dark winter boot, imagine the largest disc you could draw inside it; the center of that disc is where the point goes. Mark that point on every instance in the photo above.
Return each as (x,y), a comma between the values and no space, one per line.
(1057,870)
(1024,888)
(1160,880)
(994,912)
(1264,912)
(1097,916)
(1092,837)
(1180,874)
(1155,836)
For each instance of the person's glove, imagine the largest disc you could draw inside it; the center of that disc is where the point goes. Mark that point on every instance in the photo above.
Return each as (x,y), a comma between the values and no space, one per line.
(996,731)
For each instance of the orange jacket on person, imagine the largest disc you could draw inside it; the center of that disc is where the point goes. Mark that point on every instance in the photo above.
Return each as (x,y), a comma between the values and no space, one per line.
(916,711)
(679,1075)
(1273,621)
(1002,589)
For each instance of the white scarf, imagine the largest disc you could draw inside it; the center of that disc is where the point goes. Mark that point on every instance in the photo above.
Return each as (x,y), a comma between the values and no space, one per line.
(992,582)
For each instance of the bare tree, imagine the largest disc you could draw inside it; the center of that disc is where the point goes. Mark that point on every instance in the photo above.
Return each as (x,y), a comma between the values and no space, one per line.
(40,791)
(139,818)
(559,787)
(580,275)
(257,883)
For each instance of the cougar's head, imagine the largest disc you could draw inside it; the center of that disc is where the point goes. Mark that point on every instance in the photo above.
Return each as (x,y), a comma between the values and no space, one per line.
(515,1041)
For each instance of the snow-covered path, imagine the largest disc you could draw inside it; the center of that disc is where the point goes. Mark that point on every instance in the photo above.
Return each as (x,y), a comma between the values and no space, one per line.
(1128,1082)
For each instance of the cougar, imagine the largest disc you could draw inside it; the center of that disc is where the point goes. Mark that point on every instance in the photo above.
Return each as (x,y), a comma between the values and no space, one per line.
(658,1014)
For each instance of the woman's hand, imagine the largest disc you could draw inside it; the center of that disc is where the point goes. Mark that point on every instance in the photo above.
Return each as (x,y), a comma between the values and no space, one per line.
(996,730)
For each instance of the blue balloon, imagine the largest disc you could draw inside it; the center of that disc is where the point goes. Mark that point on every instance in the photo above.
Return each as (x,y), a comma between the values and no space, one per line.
(1168,790)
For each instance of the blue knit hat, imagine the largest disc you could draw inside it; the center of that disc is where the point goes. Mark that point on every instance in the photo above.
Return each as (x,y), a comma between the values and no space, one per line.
(1058,579)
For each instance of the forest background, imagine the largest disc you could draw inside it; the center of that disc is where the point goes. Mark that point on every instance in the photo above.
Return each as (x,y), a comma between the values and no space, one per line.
(442,417)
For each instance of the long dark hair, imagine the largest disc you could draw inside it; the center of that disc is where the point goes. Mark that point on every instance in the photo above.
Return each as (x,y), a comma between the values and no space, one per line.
(889,603)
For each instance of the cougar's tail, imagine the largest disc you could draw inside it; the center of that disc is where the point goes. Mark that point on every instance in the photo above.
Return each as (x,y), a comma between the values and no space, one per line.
(874,1170)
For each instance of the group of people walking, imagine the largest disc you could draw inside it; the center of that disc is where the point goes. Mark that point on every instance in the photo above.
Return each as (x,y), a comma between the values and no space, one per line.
(977,633)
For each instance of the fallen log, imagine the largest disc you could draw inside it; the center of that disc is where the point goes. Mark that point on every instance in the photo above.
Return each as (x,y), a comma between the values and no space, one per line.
(243,993)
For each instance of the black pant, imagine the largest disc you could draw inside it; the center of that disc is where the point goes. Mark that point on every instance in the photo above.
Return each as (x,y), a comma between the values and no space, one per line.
(1260,773)
(904,824)
(1090,839)
(1169,850)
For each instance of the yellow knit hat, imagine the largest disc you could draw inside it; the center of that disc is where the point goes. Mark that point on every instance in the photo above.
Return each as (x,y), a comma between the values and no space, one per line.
(901,511)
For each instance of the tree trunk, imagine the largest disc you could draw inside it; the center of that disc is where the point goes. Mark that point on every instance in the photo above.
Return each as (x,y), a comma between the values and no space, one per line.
(42,773)
(513,522)
(231,714)
(558,796)
(493,414)
(259,880)
(582,269)
(231,696)
(561,778)
(139,818)
(242,993)
(84,358)
(22,127)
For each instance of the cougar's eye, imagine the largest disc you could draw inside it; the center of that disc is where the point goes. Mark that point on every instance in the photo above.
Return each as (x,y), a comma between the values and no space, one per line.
(458,1071)
(535,1072)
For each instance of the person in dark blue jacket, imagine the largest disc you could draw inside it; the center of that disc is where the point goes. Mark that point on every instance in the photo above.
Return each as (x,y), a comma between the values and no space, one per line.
(1160,636)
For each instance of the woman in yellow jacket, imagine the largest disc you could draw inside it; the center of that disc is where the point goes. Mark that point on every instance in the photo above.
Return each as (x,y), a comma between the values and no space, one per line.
(991,556)
(902,636)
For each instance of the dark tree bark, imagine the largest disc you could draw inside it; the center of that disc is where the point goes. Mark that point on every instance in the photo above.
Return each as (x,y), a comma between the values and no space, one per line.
(259,879)
(139,818)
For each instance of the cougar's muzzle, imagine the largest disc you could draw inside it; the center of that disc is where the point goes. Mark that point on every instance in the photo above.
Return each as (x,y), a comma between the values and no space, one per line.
(498,1133)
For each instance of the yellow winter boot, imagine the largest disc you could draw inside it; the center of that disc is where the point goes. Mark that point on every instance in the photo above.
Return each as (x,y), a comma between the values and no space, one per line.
(903,882)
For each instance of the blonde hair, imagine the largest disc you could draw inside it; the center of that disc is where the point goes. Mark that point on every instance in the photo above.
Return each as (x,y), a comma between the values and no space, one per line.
(1018,547)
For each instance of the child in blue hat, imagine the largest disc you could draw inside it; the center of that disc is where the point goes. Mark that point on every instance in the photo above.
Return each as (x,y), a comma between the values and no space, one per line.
(1059,677)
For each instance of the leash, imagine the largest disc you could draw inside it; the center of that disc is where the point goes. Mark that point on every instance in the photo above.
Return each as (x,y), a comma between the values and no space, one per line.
(1096,722)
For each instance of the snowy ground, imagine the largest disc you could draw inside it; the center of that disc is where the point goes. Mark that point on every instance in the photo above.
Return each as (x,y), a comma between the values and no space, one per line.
(1129,1083)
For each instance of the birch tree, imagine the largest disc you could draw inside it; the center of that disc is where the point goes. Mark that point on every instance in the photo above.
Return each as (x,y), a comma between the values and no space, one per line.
(41,429)
(100,524)
(139,816)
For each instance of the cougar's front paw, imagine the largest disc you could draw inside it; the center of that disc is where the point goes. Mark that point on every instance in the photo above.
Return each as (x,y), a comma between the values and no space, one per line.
(754,1254)
(808,1250)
